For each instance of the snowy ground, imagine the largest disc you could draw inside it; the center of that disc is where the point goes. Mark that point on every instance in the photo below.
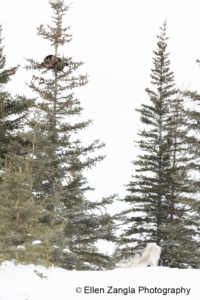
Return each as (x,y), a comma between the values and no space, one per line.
(22,283)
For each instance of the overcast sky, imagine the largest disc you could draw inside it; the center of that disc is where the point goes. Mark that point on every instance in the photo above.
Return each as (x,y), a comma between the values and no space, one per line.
(115,39)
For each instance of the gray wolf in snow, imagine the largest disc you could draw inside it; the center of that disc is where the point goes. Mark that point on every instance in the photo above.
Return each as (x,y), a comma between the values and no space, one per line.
(150,255)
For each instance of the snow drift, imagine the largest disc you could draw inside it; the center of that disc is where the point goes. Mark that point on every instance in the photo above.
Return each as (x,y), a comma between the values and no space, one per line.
(24,283)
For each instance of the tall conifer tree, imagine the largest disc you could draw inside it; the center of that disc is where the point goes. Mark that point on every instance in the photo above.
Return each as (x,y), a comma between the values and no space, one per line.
(13,111)
(19,214)
(59,161)
(180,231)
(161,190)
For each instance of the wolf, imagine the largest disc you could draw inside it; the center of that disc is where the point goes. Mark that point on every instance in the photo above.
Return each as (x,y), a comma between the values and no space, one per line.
(150,255)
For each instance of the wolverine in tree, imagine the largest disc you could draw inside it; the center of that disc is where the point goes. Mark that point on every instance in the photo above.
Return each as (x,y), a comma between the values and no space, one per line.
(52,62)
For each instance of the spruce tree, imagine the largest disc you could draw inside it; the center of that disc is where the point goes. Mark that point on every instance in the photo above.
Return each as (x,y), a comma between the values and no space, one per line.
(23,238)
(59,159)
(160,192)
(19,214)
(13,111)
(192,115)
(179,242)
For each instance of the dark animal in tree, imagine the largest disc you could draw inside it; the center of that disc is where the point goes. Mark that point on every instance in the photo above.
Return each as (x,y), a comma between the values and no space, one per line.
(52,62)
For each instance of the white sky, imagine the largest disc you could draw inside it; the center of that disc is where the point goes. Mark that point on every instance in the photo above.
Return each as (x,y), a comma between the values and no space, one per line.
(115,39)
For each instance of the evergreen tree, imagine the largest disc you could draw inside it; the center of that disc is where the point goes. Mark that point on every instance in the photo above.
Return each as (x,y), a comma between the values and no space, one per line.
(12,114)
(59,161)
(160,193)
(22,236)
(179,242)
(19,214)
(192,114)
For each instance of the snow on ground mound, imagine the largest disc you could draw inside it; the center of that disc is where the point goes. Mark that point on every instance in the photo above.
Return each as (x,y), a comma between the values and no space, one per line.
(23,283)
